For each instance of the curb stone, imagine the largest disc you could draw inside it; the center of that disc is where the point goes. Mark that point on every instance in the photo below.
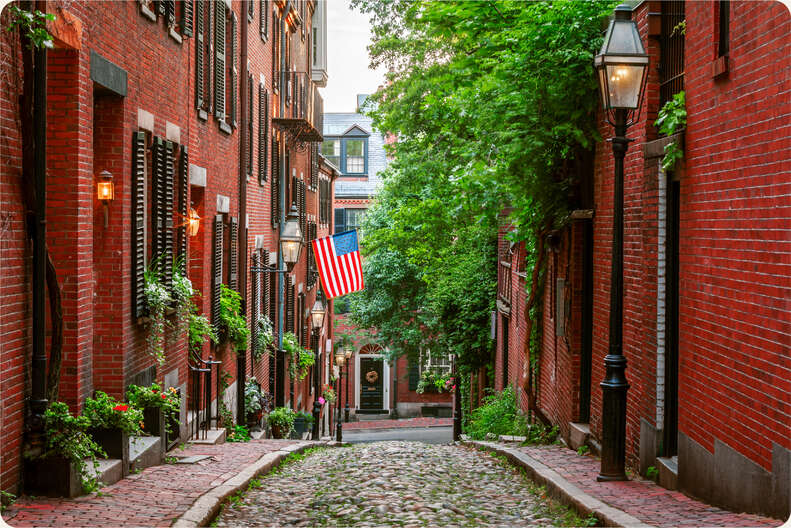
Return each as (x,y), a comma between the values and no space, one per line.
(207,505)
(562,490)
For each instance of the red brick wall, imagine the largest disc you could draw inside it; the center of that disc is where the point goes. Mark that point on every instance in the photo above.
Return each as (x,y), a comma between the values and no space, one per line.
(409,396)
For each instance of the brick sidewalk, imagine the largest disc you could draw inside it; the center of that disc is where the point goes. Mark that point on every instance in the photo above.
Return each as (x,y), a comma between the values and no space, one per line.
(640,498)
(154,497)
(396,424)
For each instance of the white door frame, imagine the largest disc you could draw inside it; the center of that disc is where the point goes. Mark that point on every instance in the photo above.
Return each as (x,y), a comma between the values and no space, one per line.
(385,380)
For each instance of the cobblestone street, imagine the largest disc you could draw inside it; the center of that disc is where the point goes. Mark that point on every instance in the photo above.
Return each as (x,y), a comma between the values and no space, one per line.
(394,484)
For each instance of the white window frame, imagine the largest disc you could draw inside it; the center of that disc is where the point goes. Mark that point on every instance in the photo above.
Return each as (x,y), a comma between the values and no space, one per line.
(436,362)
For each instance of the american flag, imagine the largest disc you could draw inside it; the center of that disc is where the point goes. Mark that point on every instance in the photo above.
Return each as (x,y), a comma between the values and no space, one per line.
(338,260)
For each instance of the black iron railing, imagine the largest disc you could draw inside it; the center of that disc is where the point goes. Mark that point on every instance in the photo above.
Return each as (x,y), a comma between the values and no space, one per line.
(302,112)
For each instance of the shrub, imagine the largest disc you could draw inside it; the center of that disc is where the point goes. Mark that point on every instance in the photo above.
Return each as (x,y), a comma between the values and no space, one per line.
(105,412)
(282,417)
(498,415)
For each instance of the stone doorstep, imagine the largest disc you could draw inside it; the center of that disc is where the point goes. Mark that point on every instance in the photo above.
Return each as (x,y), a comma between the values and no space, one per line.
(109,471)
(257,435)
(668,472)
(213,436)
(511,438)
(579,433)
(144,451)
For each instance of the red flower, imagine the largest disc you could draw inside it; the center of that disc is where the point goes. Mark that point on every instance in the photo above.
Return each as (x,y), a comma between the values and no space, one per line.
(164,396)
(153,390)
(121,408)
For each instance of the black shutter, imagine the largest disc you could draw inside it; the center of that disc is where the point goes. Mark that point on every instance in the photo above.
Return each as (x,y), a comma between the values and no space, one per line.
(167,212)
(263,126)
(311,268)
(264,19)
(200,43)
(256,304)
(289,305)
(414,375)
(314,167)
(162,7)
(340,220)
(170,9)
(275,194)
(234,71)
(303,214)
(272,287)
(139,223)
(217,263)
(219,60)
(157,214)
(233,274)
(186,18)
(183,206)
(250,114)
(250,10)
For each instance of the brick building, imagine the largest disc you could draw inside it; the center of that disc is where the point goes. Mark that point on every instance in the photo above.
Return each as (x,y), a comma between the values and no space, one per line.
(358,150)
(706,267)
(194,108)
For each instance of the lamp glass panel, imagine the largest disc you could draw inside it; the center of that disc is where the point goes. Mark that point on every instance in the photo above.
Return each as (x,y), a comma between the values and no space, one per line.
(623,84)
(290,250)
(317,318)
(105,190)
(623,38)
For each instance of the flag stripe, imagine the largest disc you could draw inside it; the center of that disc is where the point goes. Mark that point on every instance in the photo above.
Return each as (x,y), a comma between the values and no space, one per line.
(339,274)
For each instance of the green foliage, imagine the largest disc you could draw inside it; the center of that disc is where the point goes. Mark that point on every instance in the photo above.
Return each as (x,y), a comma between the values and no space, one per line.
(154,396)
(199,329)
(238,433)
(583,450)
(253,397)
(265,337)
(6,500)
(33,25)
(282,417)
(308,417)
(158,300)
(300,360)
(539,434)
(652,473)
(67,436)
(182,290)
(231,317)
(106,412)
(434,382)
(499,415)
(672,118)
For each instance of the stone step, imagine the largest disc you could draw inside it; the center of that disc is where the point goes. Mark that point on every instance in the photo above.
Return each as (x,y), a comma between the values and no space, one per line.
(109,470)
(371,417)
(579,433)
(668,472)
(213,436)
(257,435)
(145,451)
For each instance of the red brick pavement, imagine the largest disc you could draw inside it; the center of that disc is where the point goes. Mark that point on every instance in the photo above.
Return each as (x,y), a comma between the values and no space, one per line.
(643,499)
(154,497)
(394,424)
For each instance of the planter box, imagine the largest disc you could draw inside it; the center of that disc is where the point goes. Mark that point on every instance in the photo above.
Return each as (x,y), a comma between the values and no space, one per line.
(114,442)
(54,476)
(299,428)
(279,432)
(154,421)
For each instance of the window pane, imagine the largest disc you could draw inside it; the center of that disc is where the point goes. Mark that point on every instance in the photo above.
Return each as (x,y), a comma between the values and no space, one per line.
(354,147)
(331,149)
(355,164)
(354,218)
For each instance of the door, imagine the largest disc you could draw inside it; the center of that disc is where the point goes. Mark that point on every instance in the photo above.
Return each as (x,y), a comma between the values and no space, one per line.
(504,348)
(670,427)
(371,384)
(586,352)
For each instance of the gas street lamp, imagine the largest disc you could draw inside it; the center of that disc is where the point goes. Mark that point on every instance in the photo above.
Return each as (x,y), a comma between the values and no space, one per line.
(621,66)
(340,357)
(291,239)
(317,321)
(348,352)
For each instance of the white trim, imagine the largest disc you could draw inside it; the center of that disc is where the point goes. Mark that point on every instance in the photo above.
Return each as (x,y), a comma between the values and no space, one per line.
(661,281)
(385,380)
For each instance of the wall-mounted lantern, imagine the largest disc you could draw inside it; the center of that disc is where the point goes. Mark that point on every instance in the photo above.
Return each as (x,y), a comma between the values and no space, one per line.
(105,192)
(193,223)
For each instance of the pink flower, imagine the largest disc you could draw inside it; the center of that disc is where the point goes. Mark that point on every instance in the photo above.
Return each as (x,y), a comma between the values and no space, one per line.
(454,387)
(322,400)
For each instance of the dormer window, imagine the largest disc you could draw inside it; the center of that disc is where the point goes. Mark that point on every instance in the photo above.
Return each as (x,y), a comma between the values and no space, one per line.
(355,156)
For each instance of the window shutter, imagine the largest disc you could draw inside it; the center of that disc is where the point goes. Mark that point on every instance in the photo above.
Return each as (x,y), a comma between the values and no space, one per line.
(275,194)
(264,19)
(157,178)
(263,126)
(167,198)
(162,8)
(250,115)
(414,375)
(264,260)
(250,10)
(289,305)
(217,263)
(170,9)
(234,71)
(314,167)
(340,220)
(200,74)
(311,272)
(183,205)
(186,18)
(219,60)
(139,223)
(272,286)
(303,214)
(233,274)
(256,287)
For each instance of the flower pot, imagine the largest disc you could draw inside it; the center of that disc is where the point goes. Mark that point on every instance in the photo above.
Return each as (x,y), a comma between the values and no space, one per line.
(254,419)
(279,431)
(114,442)
(299,427)
(53,476)
(154,421)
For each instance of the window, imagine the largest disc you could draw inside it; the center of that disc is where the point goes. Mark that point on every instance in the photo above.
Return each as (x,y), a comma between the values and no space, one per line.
(724,15)
(355,156)
(354,219)
(331,149)
(438,362)
(315,46)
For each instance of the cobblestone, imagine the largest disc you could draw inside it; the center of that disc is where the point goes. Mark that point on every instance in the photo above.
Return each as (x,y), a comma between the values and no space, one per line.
(392,484)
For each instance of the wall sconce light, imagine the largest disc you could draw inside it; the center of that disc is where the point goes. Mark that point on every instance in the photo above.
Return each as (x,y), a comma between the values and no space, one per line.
(105,192)
(193,223)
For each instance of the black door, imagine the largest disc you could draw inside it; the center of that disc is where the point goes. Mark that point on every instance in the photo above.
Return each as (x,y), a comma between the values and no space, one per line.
(586,352)
(371,384)
(670,427)
(504,347)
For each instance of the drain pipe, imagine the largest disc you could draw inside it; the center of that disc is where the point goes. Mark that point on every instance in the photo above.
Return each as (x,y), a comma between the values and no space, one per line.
(241,355)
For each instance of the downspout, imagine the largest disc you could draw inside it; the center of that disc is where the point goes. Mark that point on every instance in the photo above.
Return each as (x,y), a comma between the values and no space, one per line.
(281,287)
(241,355)
(38,397)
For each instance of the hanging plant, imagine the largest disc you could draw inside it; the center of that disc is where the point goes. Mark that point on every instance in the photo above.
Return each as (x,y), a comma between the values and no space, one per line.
(182,291)
(158,300)
(264,338)
(232,319)
(672,119)
(299,358)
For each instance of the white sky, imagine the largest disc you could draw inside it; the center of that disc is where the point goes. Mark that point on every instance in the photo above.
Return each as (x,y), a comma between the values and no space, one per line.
(348,35)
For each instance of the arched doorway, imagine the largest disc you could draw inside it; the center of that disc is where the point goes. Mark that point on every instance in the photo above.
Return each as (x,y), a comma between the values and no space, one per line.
(372,387)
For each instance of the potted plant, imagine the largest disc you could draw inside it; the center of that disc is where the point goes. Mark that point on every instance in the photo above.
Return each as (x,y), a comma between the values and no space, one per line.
(281,420)
(328,393)
(253,403)
(302,422)
(431,381)
(158,406)
(231,318)
(111,424)
(60,468)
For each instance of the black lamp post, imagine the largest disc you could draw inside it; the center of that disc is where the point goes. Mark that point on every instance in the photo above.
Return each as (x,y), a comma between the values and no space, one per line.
(340,357)
(621,65)
(348,352)
(317,320)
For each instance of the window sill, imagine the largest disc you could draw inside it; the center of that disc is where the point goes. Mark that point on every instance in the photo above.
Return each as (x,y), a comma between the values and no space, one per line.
(203,115)
(719,67)
(224,127)
(175,36)
(146,12)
